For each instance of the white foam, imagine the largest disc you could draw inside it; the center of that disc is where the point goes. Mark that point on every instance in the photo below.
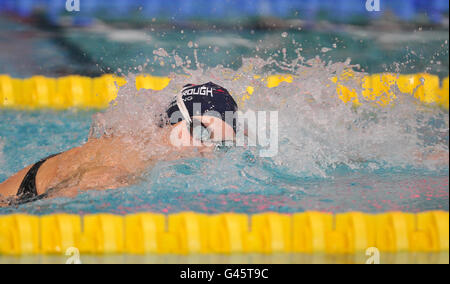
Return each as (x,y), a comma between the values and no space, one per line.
(318,132)
(128,36)
(225,41)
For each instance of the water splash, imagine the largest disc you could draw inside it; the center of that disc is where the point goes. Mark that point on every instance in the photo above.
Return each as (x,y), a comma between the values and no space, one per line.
(319,134)
(333,156)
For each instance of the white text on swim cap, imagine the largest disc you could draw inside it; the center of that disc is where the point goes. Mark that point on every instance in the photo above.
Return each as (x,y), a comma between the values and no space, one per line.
(203,91)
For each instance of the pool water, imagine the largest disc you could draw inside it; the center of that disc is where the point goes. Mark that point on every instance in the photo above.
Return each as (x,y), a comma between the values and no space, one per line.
(235,181)
(104,47)
(332,156)
(374,49)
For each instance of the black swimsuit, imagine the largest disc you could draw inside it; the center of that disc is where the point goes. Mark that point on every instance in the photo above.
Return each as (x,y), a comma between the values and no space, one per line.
(27,191)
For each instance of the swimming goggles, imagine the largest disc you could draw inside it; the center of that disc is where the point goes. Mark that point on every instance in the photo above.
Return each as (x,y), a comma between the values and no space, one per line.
(197,129)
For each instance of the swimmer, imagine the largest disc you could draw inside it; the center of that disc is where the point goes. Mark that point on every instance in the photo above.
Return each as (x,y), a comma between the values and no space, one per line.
(197,119)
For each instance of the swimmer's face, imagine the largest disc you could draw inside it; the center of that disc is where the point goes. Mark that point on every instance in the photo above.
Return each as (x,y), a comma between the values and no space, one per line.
(218,131)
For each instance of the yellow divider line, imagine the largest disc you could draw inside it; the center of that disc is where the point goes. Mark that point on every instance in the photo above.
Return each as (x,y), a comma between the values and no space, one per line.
(84,92)
(193,233)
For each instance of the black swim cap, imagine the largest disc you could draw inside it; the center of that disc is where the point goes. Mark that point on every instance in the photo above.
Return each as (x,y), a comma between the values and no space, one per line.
(207,99)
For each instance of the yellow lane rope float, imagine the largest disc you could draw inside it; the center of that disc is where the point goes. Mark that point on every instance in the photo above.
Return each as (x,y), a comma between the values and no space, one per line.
(229,233)
(84,92)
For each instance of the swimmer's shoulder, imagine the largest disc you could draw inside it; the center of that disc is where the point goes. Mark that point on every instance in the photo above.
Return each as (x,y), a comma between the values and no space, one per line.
(10,187)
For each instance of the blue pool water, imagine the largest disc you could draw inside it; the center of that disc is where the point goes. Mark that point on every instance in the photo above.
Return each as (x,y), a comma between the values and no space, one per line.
(27,51)
(331,158)
(248,184)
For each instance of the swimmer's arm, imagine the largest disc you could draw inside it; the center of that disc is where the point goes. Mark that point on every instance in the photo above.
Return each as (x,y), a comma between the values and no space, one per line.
(103,178)
(45,176)
(75,170)
(69,163)
(92,179)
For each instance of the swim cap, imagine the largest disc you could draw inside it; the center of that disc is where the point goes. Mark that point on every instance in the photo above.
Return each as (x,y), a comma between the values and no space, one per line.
(198,100)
